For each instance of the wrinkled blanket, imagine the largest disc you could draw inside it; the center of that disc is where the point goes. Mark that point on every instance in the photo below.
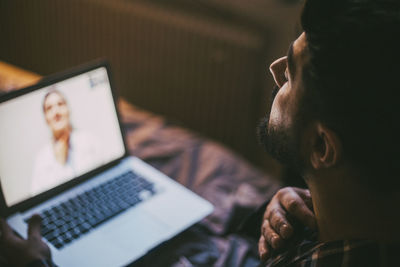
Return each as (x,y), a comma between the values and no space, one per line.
(233,186)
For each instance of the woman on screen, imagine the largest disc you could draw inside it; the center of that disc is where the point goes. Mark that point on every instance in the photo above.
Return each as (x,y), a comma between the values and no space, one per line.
(69,153)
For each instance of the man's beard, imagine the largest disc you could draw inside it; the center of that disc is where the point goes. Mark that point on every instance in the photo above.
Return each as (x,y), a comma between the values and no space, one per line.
(281,144)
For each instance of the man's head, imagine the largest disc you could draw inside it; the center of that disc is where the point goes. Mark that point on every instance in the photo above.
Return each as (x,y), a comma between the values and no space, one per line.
(281,130)
(337,103)
(56,112)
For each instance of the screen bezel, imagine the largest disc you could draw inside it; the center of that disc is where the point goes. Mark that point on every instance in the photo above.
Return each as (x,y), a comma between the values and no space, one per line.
(44,82)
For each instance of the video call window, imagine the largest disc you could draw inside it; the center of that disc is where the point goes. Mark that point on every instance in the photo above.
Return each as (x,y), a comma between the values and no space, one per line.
(57,133)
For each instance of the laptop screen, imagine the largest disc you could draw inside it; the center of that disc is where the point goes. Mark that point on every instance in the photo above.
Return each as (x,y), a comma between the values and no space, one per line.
(56,133)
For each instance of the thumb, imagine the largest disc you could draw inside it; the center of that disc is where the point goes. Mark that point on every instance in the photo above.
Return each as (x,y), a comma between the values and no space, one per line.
(5,230)
(34,225)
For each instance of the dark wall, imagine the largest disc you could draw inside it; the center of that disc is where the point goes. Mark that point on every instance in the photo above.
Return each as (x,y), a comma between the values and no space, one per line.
(203,65)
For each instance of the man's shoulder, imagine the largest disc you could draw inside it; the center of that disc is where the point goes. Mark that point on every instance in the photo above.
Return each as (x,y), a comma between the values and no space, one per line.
(310,252)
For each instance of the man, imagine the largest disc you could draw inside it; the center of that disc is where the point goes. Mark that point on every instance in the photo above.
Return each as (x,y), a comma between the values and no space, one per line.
(334,119)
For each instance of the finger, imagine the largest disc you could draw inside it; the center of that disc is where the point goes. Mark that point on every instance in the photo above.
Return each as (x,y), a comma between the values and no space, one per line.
(278,217)
(305,195)
(296,206)
(6,231)
(278,222)
(263,249)
(34,227)
(272,238)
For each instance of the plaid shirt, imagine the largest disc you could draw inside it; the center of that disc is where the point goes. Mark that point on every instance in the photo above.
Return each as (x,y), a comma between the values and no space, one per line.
(349,253)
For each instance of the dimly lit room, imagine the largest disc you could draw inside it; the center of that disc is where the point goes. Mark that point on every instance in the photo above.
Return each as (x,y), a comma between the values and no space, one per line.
(198,132)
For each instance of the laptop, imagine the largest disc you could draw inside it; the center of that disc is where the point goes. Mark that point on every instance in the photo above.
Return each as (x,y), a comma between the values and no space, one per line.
(63,156)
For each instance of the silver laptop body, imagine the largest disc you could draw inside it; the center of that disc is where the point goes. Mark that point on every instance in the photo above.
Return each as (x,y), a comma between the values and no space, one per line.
(100,175)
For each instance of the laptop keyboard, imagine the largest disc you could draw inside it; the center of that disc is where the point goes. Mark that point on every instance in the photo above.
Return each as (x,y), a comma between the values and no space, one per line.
(77,216)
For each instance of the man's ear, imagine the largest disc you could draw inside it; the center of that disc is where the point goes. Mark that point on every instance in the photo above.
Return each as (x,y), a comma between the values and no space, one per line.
(326,148)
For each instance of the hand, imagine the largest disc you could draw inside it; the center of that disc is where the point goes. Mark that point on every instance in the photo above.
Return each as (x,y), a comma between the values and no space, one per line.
(19,252)
(287,202)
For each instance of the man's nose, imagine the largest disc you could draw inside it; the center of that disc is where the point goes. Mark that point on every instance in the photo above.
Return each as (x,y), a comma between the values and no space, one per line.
(277,68)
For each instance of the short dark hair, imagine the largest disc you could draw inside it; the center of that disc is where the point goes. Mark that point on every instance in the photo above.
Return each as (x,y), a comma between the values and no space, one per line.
(352,79)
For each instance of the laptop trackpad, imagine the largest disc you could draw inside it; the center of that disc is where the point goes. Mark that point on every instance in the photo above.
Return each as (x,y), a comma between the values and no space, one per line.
(136,231)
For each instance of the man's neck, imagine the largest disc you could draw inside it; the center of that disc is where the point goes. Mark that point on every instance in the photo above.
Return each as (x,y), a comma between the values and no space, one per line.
(346,210)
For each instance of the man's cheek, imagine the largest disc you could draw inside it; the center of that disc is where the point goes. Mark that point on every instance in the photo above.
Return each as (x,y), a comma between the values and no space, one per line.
(279,112)
(274,116)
